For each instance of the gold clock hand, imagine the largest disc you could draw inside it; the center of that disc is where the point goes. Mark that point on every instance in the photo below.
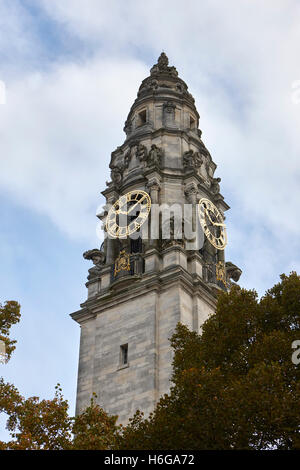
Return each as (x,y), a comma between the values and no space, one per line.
(136,204)
(119,211)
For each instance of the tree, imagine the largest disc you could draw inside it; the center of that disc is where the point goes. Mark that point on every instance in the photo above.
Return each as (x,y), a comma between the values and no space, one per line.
(235,385)
(9,316)
(94,429)
(36,424)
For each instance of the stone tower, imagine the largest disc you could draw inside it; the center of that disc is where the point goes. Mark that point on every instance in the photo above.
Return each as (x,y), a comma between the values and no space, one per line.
(141,287)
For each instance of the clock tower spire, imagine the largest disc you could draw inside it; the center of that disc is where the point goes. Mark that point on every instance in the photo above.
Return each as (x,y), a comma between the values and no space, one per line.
(162,260)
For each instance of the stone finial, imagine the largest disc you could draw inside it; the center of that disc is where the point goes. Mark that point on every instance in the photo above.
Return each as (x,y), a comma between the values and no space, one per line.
(162,66)
(163,61)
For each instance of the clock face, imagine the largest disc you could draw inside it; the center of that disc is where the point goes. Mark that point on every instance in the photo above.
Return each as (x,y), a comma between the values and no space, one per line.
(212,223)
(128,214)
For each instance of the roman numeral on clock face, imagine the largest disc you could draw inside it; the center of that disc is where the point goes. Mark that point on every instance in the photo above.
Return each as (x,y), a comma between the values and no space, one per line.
(211,220)
(135,204)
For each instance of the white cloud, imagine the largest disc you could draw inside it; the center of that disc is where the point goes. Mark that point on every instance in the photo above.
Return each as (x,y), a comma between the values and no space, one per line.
(57,134)
(239,59)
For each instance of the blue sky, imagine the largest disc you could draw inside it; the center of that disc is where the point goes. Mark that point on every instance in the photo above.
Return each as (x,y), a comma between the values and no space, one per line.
(72,70)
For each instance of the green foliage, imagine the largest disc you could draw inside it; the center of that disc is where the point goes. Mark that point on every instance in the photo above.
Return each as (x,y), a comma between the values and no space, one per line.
(235,386)
(36,424)
(94,429)
(46,424)
(9,316)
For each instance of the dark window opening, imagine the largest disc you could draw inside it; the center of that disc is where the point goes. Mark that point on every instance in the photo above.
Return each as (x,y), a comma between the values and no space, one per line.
(136,246)
(142,118)
(192,123)
(124,355)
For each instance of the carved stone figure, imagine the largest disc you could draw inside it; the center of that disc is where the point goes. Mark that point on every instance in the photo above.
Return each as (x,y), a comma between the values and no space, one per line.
(130,153)
(232,271)
(191,160)
(190,192)
(215,187)
(98,259)
(162,66)
(169,107)
(128,127)
(127,159)
(155,155)
(116,176)
(188,159)
(197,159)
(95,255)
(141,152)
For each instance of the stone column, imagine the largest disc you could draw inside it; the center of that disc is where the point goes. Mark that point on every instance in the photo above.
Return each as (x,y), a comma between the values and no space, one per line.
(153,186)
(190,192)
(110,242)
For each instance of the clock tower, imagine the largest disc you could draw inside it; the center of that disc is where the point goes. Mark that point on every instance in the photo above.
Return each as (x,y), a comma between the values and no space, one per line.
(162,260)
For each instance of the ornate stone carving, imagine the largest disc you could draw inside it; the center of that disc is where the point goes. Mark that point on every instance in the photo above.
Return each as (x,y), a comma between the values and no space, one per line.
(117,168)
(215,187)
(95,255)
(135,149)
(232,271)
(141,152)
(190,192)
(127,158)
(153,183)
(162,66)
(221,272)
(180,87)
(153,84)
(122,263)
(169,114)
(169,107)
(191,160)
(153,187)
(98,259)
(127,127)
(155,156)
(116,176)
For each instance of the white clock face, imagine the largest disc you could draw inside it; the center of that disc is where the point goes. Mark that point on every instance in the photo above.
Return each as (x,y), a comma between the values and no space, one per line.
(212,223)
(128,214)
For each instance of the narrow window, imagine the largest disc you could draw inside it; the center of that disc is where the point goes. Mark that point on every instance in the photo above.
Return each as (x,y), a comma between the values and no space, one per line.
(192,123)
(142,118)
(124,355)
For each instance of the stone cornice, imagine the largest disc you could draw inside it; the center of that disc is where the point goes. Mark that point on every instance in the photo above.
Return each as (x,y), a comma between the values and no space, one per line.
(83,315)
(160,281)
(161,95)
(187,134)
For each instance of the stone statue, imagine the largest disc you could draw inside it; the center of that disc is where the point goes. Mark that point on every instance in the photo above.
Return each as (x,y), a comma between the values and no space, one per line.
(127,158)
(116,176)
(95,255)
(141,152)
(215,186)
(155,155)
(192,160)
(162,66)
(98,259)
(188,159)
(232,271)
